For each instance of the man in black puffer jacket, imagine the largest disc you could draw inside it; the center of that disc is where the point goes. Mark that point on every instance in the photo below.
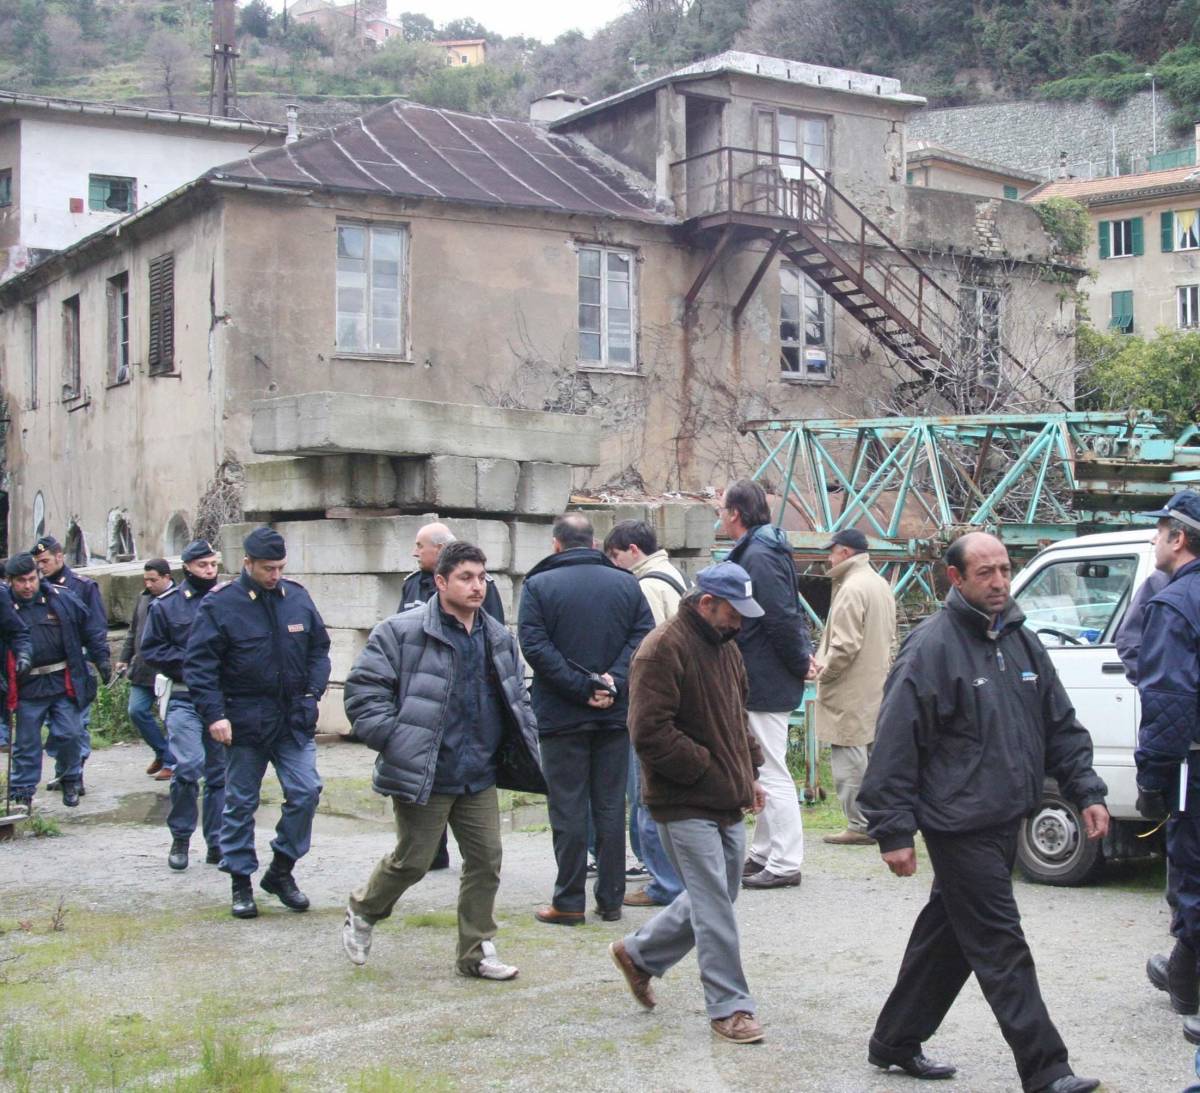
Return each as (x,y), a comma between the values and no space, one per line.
(439,692)
(581,620)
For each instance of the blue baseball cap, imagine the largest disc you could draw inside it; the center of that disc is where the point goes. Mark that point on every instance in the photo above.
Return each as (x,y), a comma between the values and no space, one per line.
(1184,507)
(731,582)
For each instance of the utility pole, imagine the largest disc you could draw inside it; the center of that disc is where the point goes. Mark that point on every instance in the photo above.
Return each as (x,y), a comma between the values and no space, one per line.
(222,85)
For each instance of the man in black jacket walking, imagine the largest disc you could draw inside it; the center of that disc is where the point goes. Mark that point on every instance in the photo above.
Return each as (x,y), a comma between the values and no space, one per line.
(156,576)
(973,719)
(777,651)
(581,620)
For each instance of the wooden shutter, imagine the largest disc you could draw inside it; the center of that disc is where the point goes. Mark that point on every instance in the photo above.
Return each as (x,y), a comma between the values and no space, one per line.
(1137,236)
(1166,230)
(161,357)
(1105,234)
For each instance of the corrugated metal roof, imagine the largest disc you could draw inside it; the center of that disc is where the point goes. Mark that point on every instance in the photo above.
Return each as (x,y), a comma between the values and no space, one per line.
(407,150)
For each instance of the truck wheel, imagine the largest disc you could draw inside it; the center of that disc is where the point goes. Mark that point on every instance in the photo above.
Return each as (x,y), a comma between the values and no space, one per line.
(1052,847)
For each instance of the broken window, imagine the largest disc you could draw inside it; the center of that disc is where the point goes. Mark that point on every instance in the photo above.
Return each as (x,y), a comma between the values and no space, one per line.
(118,328)
(371,270)
(112,194)
(161,356)
(1189,305)
(71,364)
(6,186)
(606,312)
(979,334)
(803,327)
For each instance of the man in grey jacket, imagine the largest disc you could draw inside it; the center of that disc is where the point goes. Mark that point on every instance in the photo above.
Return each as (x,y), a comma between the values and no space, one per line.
(157,580)
(440,694)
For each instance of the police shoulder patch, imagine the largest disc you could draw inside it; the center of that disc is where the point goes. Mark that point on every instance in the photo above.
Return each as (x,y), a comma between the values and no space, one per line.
(220,587)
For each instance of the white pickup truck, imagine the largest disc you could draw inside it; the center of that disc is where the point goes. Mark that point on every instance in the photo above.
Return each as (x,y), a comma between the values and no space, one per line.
(1074,595)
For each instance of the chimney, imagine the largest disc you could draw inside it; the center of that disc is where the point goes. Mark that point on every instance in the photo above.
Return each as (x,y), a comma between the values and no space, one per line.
(557,104)
(1062,165)
(293,123)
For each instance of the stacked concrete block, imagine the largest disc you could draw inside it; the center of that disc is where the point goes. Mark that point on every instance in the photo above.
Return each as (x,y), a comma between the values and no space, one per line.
(351,479)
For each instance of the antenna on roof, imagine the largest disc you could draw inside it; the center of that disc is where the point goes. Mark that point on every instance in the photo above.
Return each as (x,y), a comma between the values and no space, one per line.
(222,87)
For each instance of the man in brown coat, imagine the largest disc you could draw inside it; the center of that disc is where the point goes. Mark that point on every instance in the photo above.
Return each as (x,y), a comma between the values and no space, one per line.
(699,762)
(850,666)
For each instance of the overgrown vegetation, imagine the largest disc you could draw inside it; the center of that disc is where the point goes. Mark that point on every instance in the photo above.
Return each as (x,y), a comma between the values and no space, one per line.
(1161,374)
(1067,223)
(110,715)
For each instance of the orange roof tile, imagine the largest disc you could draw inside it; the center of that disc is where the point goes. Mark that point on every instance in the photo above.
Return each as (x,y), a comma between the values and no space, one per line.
(1089,190)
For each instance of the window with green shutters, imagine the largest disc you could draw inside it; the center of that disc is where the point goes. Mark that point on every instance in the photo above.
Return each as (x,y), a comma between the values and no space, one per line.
(1122,312)
(1121,238)
(1011,192)
(1166,231)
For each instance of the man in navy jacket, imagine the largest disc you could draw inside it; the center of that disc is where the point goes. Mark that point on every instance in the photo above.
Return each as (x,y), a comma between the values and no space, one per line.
(581,620)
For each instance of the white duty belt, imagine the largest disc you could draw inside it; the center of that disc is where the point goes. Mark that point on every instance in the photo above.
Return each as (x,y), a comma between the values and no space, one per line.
(48,669)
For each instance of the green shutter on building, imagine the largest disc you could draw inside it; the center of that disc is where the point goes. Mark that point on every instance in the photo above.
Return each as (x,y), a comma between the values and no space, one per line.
(1011,192)
(1166,227)
(1104,238)
(1138,238)
(1122,312)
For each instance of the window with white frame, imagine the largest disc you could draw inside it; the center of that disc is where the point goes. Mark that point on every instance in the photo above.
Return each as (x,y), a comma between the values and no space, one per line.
(979,332)
(372,262)
(606,307)
(803,327)
(1187,229)
(1122,238)
(1188,298)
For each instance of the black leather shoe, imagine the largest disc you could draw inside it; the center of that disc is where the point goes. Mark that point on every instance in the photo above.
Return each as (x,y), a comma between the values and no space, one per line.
(213,857)
(1156,971)
(764,878)
(1071,1083)
(177,859)
(284,886)
(54,785)
(916,1066)
(1183,981)
(243,905)
(611,914)
(70,792)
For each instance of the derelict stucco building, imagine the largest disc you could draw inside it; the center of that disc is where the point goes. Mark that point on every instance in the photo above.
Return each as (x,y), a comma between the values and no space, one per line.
(642,260)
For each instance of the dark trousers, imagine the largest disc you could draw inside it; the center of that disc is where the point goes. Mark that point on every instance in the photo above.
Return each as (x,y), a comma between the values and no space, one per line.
(971,924)
(587,766)
(1183,877)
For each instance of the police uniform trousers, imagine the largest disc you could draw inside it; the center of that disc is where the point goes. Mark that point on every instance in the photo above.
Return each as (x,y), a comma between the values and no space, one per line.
(66,728)
(971,924)
(67,765)
(293,754)
(197,755)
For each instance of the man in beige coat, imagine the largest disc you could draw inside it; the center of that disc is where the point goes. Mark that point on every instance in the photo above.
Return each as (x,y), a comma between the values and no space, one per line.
(851,664)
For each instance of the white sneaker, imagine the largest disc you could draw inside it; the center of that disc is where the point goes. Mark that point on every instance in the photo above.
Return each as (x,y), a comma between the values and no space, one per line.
(356,937)
(490,967)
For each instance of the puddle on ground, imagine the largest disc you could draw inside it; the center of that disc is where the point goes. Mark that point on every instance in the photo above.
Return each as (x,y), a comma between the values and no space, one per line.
(136,808)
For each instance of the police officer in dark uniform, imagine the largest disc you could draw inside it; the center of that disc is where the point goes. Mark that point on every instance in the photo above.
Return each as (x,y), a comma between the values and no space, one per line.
(57,686)
(16,652)
(197,754)
(257,663)
(1168,681)
(51,562)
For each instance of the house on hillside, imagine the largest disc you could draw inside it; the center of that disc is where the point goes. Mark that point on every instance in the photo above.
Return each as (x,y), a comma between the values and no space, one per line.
(944,169)
(733,241)
(1145,247)
(464,51)
(365,20)
(70,168)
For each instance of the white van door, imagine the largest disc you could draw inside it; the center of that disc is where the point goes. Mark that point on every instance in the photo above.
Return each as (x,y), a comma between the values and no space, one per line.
(1074,605)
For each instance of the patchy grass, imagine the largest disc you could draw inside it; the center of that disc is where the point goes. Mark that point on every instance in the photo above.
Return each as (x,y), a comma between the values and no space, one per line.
(40,826)
(382,1079)
(437,920)
(229,1065)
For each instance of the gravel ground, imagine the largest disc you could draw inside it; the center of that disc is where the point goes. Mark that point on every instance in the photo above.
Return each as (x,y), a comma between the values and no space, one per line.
(146,960)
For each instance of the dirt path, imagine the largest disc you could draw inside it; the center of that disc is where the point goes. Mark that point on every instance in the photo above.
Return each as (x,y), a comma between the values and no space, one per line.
(148,965)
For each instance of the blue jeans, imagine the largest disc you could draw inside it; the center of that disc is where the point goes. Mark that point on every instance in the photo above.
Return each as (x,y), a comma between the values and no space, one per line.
(634,797)
(62,767)
(294,756)
(196,755)
(66,728)
(141,713)
(664,884)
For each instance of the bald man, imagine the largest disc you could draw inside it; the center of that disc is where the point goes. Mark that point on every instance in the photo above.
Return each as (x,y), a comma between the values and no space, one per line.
(973,720)
(418,585)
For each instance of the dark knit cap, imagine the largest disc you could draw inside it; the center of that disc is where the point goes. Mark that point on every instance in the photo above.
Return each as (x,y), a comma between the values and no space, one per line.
(265,544)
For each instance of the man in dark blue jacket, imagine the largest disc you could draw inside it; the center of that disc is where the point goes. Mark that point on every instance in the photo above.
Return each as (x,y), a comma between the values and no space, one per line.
(581,620)
(16,649)
(1168,770)
(777,651)
(256,666)
(197,755)
(51,562)
(58,685)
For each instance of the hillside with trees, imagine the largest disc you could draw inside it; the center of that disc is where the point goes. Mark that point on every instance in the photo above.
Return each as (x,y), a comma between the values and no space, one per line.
(955,51)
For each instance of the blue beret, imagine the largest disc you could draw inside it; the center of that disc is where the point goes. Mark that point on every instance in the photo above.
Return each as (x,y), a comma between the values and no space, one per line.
(199,548)
(265,544)
(19,565)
